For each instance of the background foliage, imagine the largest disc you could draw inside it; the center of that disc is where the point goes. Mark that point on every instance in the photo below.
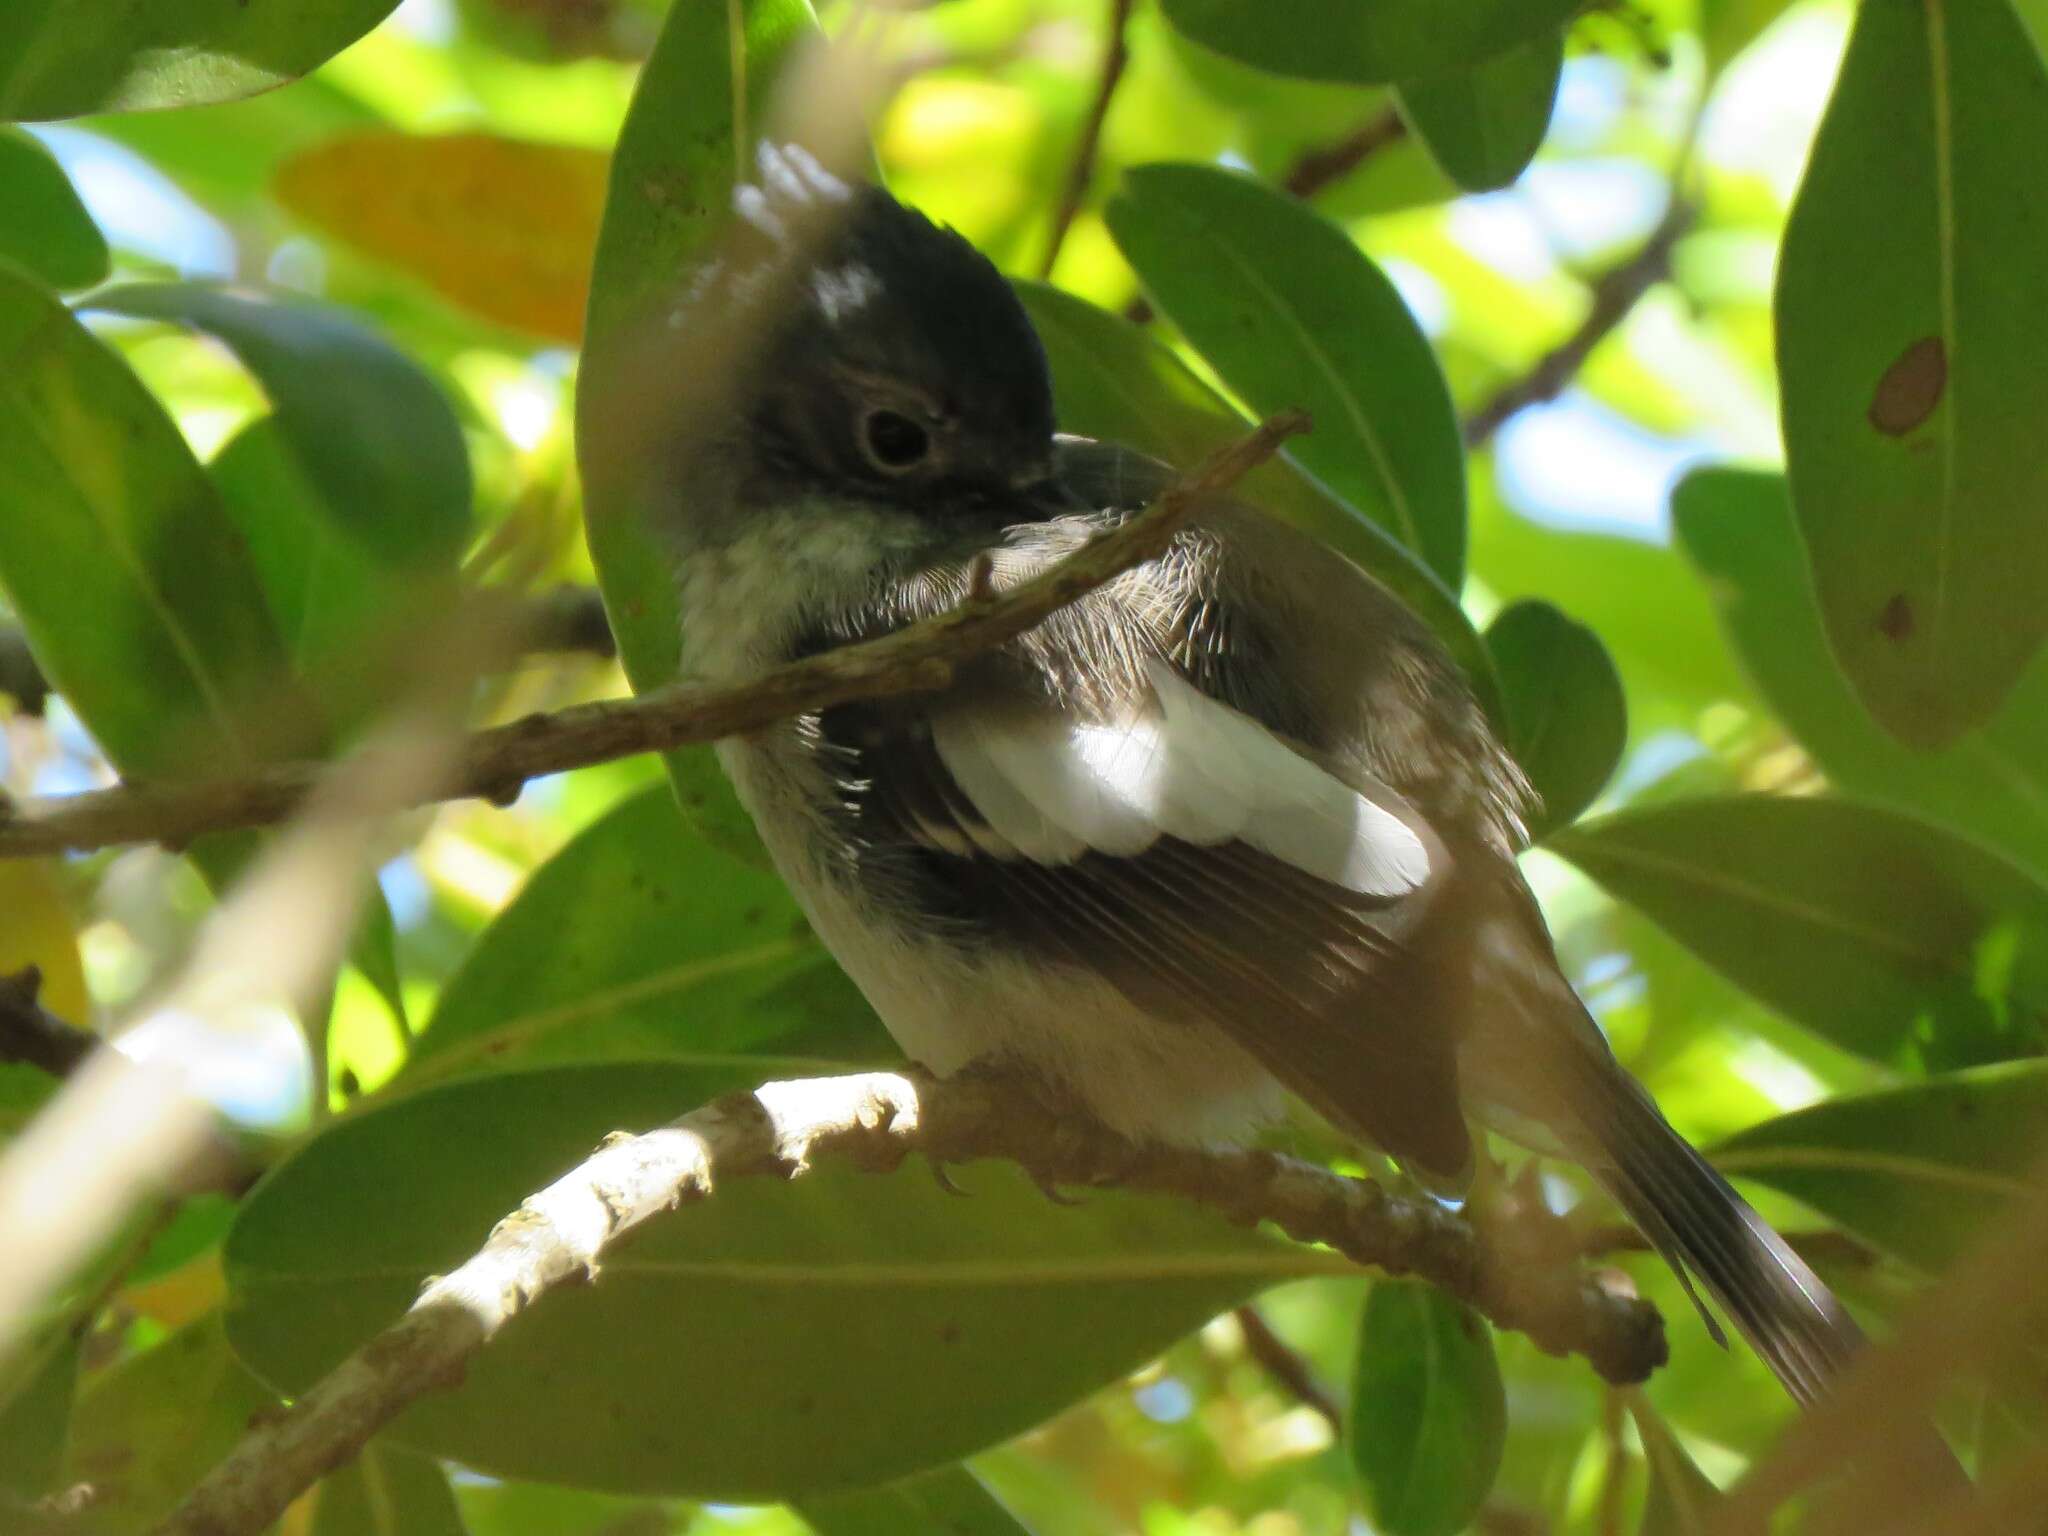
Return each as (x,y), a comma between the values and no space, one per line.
(1709,439)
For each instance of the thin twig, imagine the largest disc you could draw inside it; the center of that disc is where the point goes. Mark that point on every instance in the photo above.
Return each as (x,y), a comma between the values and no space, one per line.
(1317,168)
(494,764)
(1082,171)
(873,1120)
(20,678)
(1616,292)
(1285,1366)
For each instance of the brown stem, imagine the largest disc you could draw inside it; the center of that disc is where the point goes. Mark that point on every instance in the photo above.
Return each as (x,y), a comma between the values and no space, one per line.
(1082,169)
(874,1121)
(1285,1366)
(1616,292)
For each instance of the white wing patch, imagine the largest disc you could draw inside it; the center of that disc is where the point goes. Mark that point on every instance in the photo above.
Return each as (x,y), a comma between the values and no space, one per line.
(1051,789)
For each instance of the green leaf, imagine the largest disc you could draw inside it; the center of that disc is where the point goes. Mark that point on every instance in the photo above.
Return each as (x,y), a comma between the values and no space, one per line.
(640,939)
(47,228)
(387,1491)
(948,1502)
(1912,316)
(1992,783)
(128,577)
(61,58)
(672,180)
(1886,935)
(150,1428)
(1291,313)
(1483,125)
(36,1387)
(779,1340)
(1567,720)
(1729,26)
(375,436)
(536,1509)
(1115,381)
(1364,42)
(1922,1172)
(1428,1411)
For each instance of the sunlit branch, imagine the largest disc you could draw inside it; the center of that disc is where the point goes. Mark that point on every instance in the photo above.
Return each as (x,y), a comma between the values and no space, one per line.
(494,764)
(874,1121)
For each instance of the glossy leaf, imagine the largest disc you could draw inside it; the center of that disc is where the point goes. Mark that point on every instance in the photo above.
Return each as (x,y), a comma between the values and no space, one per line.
(1483,125)
(387,1491)
(46,228)
(374,434)
(1428,1411)
(948,1502)
(670,194)
(131,582)
(501,227)
(1567,720)
(1889,937)
(1921,1171)
(1368,42)
(1291,313)
(779,1341)
(492,1508)
(37,1383)
(1912,315)
(1736,526)
(147,1430)
(59,58)
(639,939)
(1114,381)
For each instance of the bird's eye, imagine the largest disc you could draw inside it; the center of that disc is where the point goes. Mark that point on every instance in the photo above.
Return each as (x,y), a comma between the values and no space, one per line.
(894,442)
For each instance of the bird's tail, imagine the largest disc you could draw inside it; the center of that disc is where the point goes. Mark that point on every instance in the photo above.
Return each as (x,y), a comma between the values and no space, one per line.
(1704,1229)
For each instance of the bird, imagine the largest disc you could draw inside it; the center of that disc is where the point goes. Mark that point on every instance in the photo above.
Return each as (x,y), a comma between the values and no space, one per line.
(1231,827)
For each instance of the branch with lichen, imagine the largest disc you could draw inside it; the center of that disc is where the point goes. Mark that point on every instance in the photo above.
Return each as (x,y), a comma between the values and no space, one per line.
(874,1121)
(495,764)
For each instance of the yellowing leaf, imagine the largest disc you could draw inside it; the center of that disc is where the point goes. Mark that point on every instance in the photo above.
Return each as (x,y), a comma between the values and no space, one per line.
(501,227)
(35,929)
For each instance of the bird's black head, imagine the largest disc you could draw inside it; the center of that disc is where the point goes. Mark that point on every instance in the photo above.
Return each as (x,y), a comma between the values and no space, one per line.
(903,369)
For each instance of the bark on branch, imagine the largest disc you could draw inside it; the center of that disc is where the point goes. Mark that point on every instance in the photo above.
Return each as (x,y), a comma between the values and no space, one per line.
(494,764)
(874,1120)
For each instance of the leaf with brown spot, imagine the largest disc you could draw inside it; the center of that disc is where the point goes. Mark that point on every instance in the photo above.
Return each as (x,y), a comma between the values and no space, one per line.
(1911,388)
(501,227)
(1912,311)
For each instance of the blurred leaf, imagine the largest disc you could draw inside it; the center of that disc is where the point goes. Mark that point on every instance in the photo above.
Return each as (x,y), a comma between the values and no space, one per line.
(1291,313)
(501,227)
(147,1430)
(491,1508)
(640,939)
(198,1226)
(375,435)
(1886,935)
(36,929)
(1483,125)
(670,194)
(387,1491)
(948,1502)
(1737,527)
(129,579)
(61,58)
(1912,388)
(1920,1171)
(1567,720)
(1681,1497)
(1364,43)
(1114,381)
(1428,1412)
(780,1340)
(36,1387)
(1729,26)
(47,228)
